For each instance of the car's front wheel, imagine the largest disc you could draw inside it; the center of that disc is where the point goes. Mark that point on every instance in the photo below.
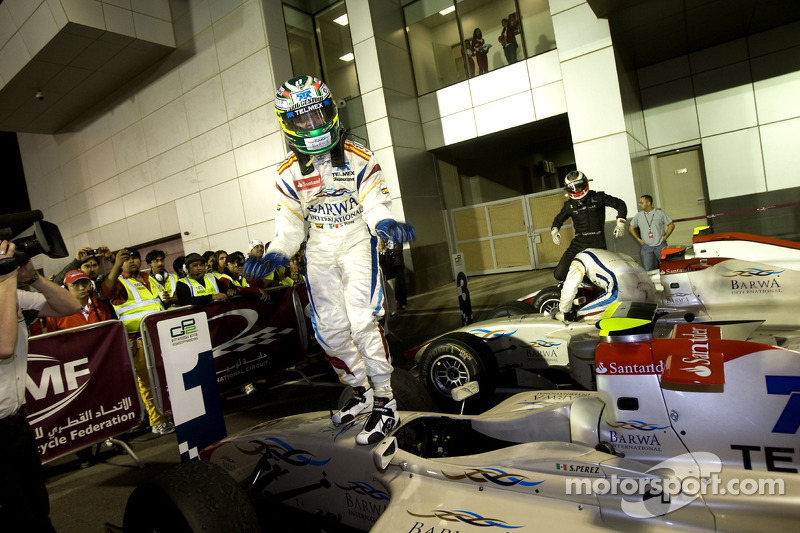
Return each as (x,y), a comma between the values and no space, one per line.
(454,360)
(547,300)
(193,497)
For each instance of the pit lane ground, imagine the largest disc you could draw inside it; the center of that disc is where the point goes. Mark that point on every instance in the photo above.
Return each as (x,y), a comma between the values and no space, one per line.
(84,500)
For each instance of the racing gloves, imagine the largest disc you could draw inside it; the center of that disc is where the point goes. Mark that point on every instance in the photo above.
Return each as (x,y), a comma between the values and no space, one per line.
(256,269)
(397,232)
(619,231)
(569,316)
(556,236)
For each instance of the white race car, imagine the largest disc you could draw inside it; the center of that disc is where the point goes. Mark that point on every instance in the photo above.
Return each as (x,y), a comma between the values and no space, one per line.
(691,432)
(543,353)
(723,290)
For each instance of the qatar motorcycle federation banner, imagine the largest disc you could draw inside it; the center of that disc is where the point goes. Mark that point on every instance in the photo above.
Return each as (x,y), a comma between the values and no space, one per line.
(81,388)
(189,368)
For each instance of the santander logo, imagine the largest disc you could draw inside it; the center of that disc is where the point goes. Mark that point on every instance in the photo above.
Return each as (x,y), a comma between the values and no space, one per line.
(600,369)
(702,371)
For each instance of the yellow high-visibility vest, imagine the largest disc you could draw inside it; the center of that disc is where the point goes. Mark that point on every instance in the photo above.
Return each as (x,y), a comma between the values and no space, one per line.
(140,303)
(209,285)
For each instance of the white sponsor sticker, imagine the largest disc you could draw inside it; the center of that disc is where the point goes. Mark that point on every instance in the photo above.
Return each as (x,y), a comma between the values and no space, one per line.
(317,143)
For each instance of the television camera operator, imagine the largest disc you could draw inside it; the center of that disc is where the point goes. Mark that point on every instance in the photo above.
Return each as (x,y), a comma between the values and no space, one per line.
(24,503)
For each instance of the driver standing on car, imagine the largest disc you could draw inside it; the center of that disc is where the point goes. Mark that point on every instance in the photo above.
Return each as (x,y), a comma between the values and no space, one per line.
(332,192)
(588,212)
(617,275)
(24,503)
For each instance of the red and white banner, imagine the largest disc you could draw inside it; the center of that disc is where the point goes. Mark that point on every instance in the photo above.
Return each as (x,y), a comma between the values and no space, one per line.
(81,388)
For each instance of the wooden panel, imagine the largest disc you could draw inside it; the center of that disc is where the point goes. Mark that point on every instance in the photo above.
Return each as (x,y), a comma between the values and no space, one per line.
(477,255)
(549,252)
(545,208)
(512,251)
(470,224)
(507,218)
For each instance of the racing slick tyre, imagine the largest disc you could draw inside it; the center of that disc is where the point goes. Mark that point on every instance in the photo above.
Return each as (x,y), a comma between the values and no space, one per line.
(547,299)
(453,360)
(190,498)
(512,308)
(407,390)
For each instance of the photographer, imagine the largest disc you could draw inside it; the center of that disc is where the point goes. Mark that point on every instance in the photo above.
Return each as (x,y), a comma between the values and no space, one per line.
(24,503)
(88,260)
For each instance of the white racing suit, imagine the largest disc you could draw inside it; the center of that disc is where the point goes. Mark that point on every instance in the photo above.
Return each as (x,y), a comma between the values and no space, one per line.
(339,207)
(618,275)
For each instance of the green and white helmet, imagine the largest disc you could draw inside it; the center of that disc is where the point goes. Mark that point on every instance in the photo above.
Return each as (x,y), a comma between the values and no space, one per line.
(308,115)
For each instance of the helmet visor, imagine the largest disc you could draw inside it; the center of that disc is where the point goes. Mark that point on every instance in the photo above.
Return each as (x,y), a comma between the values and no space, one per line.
(311,117)
(576,186)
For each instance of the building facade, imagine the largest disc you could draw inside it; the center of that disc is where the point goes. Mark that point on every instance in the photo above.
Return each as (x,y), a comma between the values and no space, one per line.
(183,143)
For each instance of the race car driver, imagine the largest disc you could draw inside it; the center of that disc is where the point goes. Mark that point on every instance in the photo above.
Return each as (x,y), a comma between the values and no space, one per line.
(588,212)
(333,189)
(617,275)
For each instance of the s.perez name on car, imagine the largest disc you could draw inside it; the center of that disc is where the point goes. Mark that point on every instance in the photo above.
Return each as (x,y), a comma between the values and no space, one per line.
(582,469)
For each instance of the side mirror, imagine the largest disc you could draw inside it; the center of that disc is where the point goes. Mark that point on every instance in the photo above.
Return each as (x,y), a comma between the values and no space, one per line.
(384,452)
(459,394)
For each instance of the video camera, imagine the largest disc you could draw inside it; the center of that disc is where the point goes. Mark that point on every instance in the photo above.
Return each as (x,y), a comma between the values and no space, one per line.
(46,239)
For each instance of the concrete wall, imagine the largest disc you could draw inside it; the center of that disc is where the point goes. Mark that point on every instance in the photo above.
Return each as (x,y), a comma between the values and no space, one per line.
(739,102)
(190,147)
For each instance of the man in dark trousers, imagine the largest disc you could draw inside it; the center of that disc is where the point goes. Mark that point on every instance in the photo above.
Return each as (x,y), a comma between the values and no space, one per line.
(588,212)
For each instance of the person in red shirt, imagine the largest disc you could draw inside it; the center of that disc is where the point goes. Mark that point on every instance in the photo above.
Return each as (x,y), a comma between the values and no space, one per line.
(479,48)
(92,308)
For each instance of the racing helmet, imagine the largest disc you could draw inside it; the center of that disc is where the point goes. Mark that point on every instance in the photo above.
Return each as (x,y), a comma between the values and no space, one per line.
(308,115)
(576,184)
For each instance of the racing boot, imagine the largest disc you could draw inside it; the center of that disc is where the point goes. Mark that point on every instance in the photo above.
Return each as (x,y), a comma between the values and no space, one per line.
(361,402)
(382,420)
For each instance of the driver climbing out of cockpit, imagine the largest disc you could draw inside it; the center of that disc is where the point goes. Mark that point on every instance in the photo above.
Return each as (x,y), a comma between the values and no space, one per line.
(617,275)
(588,212)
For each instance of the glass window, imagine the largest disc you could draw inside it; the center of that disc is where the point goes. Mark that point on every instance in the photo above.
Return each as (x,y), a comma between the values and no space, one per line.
(435,44)
(537,26)
(336,51)
(481,21)
(320,45)
(302,42)
(452,42)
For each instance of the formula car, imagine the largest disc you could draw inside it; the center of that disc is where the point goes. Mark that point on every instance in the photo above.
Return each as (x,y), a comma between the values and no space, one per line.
(691,432)
(543,353)
(683,283)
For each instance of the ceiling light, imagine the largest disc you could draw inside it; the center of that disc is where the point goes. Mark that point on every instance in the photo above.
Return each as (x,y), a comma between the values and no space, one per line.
(341,21)
(347,57)
(447,10)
